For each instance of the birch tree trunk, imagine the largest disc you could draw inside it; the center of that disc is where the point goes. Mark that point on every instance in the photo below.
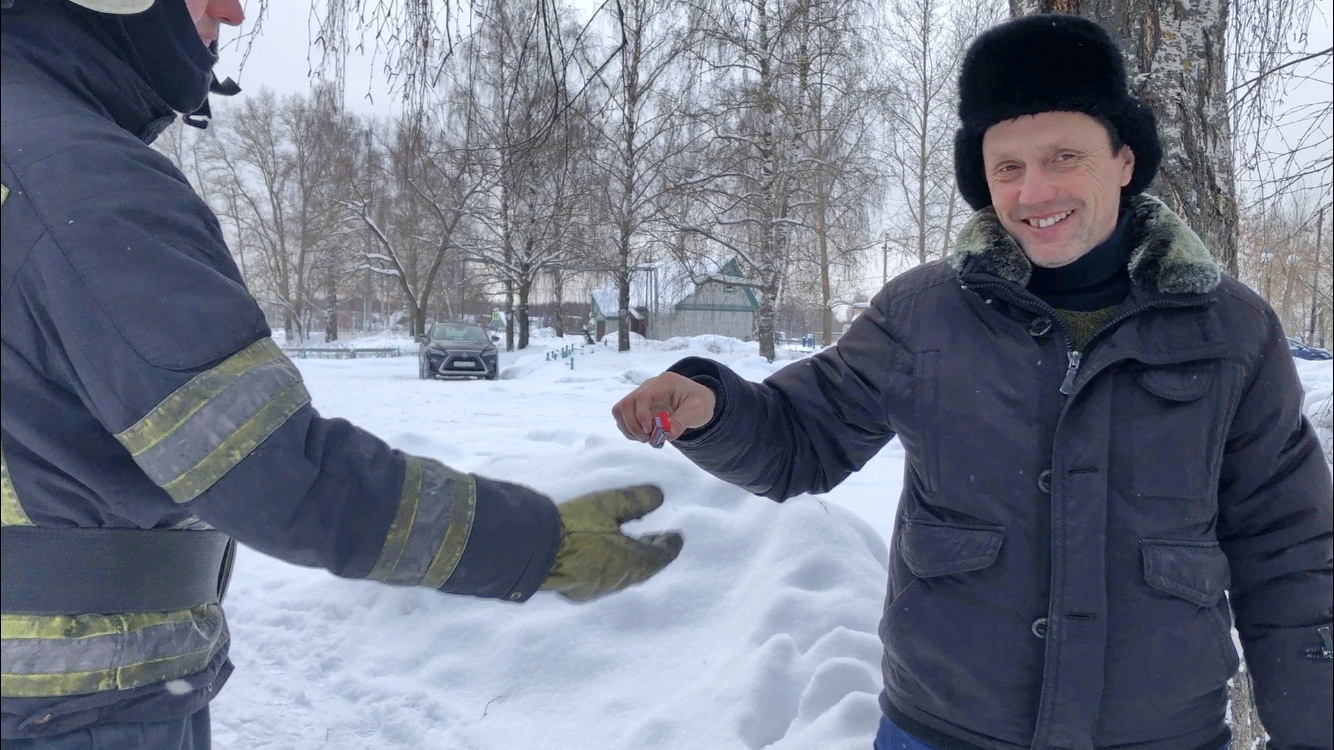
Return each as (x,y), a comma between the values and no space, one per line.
(1178,66)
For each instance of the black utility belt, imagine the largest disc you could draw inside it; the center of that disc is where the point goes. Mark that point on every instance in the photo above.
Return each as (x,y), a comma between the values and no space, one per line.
(73,571)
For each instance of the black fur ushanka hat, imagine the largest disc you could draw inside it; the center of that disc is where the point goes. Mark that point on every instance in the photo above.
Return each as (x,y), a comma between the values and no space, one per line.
(1047,63)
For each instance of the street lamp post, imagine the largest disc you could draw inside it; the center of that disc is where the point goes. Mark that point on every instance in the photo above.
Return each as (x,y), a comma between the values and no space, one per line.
(651,329)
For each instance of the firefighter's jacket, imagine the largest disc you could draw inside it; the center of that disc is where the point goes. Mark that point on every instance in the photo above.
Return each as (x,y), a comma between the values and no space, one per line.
(142,390)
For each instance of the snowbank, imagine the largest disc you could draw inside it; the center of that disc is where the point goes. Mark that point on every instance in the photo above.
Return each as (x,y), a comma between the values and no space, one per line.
(761,635)
(1317,380)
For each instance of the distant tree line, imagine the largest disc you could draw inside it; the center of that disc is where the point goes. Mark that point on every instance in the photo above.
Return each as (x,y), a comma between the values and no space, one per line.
(809,140)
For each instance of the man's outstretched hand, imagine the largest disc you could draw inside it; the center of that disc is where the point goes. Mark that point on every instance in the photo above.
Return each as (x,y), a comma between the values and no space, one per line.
(687,404)
(595,557)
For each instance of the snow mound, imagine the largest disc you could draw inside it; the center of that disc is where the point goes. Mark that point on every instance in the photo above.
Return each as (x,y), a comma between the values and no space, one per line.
(762,634)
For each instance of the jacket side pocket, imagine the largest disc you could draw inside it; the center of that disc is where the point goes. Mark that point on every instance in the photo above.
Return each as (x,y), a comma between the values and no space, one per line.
(931,548)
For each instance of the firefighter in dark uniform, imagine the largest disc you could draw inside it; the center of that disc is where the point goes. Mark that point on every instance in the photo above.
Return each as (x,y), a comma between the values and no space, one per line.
(149,420)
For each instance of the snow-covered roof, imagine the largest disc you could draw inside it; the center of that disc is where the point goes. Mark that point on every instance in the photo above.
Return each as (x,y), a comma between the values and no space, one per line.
(674,282)
(605,302)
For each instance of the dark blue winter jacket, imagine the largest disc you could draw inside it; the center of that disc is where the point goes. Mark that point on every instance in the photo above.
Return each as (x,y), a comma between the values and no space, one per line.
(1076,537)
(141,390)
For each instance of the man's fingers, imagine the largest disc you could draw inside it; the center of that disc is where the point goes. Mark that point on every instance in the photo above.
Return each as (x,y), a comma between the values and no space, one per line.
(619,505)
(644,414)
(634,413)
(617,412)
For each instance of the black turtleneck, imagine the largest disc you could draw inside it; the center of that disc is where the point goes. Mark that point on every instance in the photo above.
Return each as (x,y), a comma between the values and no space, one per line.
(1098,280)
(1087,292)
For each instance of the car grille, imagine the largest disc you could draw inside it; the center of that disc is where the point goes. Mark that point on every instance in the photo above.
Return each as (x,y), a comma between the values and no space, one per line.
(462,361)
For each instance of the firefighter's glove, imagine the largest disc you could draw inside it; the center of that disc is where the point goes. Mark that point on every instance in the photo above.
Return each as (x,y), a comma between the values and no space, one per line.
(595,558)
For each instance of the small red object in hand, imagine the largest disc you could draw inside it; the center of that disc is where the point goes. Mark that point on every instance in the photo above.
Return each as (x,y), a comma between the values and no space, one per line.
(662,425)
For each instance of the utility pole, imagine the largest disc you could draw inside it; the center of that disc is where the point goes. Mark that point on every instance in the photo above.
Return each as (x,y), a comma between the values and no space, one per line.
(884,258)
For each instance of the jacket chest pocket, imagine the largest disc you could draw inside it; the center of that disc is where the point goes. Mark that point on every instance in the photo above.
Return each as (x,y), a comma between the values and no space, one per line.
(1173,429)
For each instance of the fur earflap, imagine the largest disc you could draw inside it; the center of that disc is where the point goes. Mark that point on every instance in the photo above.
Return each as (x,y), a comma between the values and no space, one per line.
(1047,63)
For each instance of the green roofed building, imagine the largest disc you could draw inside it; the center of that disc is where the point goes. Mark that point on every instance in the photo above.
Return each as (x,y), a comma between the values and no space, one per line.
(685,307)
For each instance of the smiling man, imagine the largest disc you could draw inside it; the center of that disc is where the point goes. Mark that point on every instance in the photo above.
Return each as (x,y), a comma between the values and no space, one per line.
(1107,462)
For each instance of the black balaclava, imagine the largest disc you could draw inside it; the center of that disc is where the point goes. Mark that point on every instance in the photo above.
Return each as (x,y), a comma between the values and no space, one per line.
(167,51)
(163,47)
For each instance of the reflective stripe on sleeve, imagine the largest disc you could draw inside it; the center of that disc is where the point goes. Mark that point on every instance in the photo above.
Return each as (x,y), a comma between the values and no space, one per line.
(431,527)
(11,512)
(209,425)
(60,655)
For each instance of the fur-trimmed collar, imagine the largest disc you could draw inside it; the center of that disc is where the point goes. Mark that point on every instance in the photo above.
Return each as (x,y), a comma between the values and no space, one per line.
(1166,256)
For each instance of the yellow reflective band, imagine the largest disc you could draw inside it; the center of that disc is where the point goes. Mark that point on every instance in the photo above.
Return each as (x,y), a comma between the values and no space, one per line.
(21,627)
(397,539)
(4,194)
(238,445)
(209,425)
(119,678)
(456,536)
(169,415)
(11,512)
(62,655)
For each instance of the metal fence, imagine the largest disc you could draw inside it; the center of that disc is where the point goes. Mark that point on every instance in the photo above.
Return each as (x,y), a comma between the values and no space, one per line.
(342,353)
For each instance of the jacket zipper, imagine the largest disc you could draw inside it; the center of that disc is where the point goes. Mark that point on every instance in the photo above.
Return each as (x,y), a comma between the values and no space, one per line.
(1068,385)
(1074,358)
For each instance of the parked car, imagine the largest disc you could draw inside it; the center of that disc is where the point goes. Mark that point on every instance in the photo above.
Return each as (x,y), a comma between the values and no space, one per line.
(464,349)
(1302,351)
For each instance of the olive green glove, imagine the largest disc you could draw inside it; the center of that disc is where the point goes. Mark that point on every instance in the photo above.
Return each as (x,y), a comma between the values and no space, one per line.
(595,558)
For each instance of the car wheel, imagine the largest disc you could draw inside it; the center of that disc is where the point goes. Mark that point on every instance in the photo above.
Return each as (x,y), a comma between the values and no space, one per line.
(424,371)
(493,375)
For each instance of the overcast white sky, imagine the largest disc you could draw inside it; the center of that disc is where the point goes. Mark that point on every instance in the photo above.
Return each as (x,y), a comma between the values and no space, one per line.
(282,58)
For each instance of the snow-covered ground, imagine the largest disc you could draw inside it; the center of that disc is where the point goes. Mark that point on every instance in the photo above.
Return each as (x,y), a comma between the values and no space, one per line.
(761,635)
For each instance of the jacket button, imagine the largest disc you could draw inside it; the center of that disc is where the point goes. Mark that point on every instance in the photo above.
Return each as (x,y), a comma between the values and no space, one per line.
(1044,481)
(1040,627)
(516,596)
(1039,327)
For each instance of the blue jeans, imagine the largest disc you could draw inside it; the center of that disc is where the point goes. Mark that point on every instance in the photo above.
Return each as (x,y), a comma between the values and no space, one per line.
(891,737)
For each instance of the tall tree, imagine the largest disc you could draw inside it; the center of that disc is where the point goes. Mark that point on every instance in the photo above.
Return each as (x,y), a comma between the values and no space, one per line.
(925,41)
(277,147)
(842,111)
(529,141)
(743,181)
(637,139)
(415,204)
